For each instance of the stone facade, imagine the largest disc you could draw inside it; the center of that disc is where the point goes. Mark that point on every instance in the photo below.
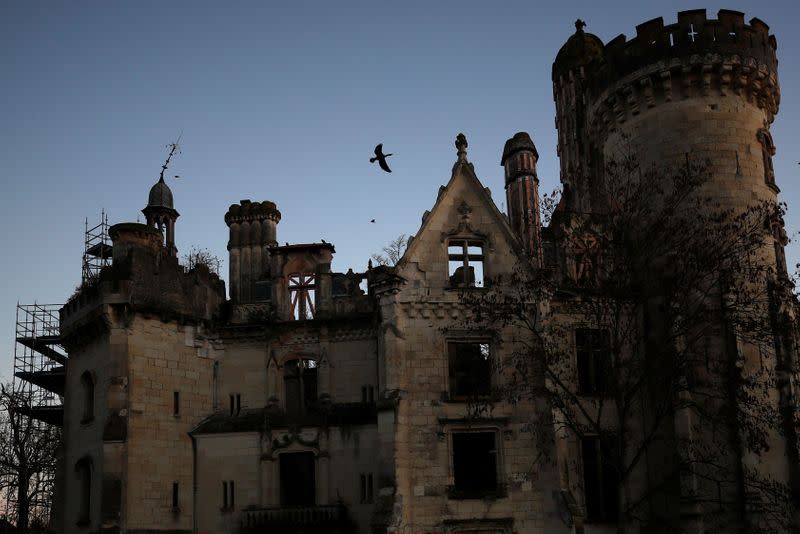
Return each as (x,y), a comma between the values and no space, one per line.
(315,401)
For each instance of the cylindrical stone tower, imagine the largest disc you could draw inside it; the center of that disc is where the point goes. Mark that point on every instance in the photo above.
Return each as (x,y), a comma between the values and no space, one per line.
(253,229)
(706,89)
(522,192)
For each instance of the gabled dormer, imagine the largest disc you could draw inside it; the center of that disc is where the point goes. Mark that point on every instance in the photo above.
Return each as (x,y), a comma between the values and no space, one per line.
(464,240)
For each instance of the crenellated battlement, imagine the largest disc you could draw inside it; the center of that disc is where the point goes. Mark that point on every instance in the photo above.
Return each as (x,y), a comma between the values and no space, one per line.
(692,35)
(247,211)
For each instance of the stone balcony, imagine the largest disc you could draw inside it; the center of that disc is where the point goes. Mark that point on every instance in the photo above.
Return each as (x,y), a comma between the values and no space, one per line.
(327,518)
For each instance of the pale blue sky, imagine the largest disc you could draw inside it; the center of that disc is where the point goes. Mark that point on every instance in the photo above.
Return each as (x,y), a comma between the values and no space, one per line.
(284,101)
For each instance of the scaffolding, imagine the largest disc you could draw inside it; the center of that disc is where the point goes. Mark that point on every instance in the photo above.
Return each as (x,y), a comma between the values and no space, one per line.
(96,249)
(40,360)
(39,380)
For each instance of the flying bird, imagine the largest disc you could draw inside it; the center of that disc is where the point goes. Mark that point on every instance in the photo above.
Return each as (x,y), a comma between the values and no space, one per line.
(380,157)
(372,221)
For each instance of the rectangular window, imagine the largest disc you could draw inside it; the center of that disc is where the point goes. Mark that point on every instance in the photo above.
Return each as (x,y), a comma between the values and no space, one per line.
(367,394)
(176,403)
(298,479)
(600,481)
(593,360)
(300,384)
(236,403)
(474,464)
(469,369)
(228,495)
(366,488)
(465,263)
(174,495)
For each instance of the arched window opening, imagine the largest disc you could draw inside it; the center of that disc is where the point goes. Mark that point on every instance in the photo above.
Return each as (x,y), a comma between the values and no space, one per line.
(300,381)
(301,295)
(87,385)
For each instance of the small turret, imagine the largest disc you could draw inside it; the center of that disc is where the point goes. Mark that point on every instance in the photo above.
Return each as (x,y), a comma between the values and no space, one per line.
(522,193)
(161,214)
(253,230)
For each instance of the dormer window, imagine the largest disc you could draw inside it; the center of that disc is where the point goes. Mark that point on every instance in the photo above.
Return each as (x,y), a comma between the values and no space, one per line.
(301,295)
(465,263)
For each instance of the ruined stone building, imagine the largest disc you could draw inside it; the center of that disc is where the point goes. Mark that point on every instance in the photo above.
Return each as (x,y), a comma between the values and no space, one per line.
(308,400)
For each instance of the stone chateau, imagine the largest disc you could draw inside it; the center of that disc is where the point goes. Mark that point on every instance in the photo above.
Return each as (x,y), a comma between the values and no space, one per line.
(307,400)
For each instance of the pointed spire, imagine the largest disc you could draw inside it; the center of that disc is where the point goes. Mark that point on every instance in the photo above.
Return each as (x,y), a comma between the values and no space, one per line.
(461,147)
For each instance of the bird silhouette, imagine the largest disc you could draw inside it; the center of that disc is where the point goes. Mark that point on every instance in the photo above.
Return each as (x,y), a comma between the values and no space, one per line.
(380,157)
(372,221)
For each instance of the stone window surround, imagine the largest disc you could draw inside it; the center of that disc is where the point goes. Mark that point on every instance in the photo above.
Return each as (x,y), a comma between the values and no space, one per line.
(449,429)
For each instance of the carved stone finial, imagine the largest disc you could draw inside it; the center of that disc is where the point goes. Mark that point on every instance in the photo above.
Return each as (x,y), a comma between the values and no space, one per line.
(461,146)
(579,25)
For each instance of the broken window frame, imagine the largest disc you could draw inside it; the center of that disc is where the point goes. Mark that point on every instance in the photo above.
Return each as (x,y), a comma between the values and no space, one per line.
(307,388)
(302,290)
(592,362)
(458,251)
(601,500)
(465,465)
(465,381)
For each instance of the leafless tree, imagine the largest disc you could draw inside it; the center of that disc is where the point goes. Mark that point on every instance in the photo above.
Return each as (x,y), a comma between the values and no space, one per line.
(201,256)
(685,311)
(28,458)
(392,252)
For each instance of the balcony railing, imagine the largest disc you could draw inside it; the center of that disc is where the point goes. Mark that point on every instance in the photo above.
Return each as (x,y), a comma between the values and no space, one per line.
(293,516)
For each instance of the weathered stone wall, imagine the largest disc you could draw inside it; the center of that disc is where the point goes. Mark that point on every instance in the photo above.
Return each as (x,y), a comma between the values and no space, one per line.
(426,314)
(163,359)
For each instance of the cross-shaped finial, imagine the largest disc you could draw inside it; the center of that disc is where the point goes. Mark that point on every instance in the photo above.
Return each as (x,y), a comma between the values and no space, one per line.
(579,25)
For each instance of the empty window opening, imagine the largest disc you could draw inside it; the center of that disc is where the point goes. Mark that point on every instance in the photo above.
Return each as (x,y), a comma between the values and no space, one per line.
(298,479)
(83,469)
(474,462)
(228,495)
(465,263)
(600,482)
(469,369)
(300,381)
(367,394)
(301,295)
(593,360)
(235,403)
(176,403)
(175,503)
(87,385)
(367,495)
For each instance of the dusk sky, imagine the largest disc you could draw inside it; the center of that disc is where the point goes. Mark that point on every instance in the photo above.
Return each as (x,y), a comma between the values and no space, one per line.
(285,101)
